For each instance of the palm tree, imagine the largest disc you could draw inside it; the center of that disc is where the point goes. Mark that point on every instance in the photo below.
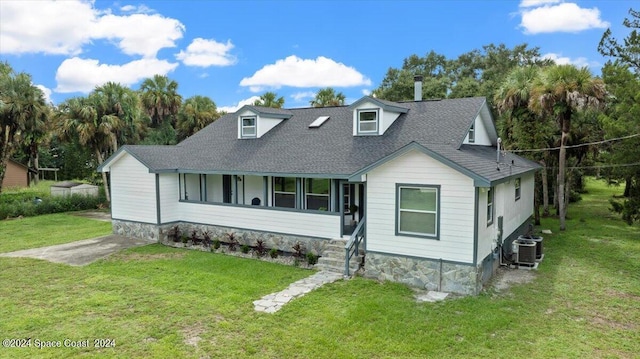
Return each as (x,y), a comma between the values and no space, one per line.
(328,97)
(160,98)
(23,113)
(522,127)
(113,99)
(560,91)
(79,117)
(195,114)
(270,99)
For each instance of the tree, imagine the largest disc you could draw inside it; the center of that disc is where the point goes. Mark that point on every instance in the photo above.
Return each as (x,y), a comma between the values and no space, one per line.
(160,99)
(629,53)
(328,97)
(560,91)
(113,99)
(195,114)
(79,118)
(23,112)
(622,118)
(521,127)
(270,99)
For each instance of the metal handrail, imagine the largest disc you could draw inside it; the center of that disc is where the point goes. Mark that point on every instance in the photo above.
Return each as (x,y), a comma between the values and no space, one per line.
(353,244)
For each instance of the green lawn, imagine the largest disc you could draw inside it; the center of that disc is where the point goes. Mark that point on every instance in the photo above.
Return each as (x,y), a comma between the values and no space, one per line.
(47,230)
(154,301)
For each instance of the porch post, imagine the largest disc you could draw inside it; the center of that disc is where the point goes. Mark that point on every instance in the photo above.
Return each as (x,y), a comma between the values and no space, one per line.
(265,190)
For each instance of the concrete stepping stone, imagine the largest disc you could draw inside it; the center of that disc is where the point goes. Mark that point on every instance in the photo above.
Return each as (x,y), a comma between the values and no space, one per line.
(272,303)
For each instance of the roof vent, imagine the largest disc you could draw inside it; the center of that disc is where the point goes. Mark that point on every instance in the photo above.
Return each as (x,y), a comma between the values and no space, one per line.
(318,122)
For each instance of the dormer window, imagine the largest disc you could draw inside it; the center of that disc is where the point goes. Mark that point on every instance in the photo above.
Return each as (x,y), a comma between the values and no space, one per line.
(248,127)
(472,134)
(367,122)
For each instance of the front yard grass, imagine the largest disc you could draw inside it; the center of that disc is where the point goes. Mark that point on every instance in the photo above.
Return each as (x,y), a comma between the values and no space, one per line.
(47,230)
(163,302)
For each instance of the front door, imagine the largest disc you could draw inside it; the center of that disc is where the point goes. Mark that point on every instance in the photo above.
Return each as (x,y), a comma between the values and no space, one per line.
(353,206)
(226,188)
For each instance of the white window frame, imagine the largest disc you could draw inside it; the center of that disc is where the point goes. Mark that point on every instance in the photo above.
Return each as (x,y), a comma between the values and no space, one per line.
(308,194)
(243,134)
(400,210)
(472,133)
(376,121)
(518,188)
(490,205)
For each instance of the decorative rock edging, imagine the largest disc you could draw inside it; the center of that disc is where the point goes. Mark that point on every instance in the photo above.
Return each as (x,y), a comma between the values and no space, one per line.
(273,302)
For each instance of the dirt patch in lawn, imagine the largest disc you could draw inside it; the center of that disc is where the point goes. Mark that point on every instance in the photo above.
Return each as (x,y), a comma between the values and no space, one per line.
(192,334)
(97,215)
(506,277)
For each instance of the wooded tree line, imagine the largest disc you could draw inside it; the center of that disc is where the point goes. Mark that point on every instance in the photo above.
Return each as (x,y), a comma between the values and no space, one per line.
(538,105)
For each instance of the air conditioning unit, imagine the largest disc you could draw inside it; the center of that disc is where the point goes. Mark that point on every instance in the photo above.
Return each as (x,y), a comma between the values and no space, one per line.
(524,252)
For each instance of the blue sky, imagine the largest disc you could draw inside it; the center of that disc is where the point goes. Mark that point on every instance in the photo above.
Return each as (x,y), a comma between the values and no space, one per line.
(233,51)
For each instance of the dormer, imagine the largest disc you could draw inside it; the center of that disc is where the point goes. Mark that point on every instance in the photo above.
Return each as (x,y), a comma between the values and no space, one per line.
(482,131)
(255,121)
(372,116)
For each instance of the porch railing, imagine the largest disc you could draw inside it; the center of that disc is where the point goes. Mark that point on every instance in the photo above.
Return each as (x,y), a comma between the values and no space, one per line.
(353,245)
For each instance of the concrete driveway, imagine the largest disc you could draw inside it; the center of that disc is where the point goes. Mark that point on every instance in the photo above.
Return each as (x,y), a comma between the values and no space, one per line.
(82,252)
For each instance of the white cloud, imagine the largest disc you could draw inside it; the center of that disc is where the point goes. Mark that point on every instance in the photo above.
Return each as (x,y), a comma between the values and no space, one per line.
(139,34)
(296,72)
(64,27)
(46,92)
(204,53)
(564,60)
(366,92)
(234,108)
(44,26)
(83,75)
(536,3)
(141,9)
(564,17)
(299,96)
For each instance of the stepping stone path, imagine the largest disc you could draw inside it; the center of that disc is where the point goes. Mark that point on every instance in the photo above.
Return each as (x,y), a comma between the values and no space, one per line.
(273,302)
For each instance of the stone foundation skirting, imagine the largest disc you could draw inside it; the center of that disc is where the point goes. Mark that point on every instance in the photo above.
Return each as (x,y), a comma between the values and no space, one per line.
(135,229)
(423,273)
(161,233)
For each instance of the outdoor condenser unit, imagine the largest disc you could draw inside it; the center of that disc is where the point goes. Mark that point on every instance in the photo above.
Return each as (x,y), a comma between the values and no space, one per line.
(526,252)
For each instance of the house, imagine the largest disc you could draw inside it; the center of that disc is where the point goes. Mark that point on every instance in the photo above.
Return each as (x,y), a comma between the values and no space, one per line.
(16,175)
(421,183)
(69,188)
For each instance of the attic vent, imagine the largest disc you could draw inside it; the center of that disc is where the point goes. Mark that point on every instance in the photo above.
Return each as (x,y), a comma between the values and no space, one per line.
(318,122)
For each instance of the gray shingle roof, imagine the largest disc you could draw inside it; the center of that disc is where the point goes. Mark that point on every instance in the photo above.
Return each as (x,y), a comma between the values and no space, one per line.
(331,150)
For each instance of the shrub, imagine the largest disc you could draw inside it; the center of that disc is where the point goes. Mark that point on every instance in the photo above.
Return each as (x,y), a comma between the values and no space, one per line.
(174,234)
(298,250)
(216,243)
(185,239)
(232,242)
(312,258)
(244,249)
(194,237)
(17,205)
(273,253)
(206,239)
(261,249)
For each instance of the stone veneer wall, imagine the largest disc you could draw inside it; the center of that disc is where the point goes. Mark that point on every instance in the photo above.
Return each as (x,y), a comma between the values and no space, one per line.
(160,233)
(135,229)
(424,273)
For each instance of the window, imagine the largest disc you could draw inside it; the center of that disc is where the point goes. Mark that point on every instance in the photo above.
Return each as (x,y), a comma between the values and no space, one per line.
(517,184)
(316,192)
(284,192)
(418,210)
(368,121)
(248,126)
(472,134)
(490,195)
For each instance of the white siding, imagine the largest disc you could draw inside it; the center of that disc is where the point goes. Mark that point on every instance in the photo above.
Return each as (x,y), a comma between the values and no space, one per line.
(169,195)
(133,192)
(265,124)
(481,134)
(261,219)
(514,212)
(253,188)
(456,209)
(385,119)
